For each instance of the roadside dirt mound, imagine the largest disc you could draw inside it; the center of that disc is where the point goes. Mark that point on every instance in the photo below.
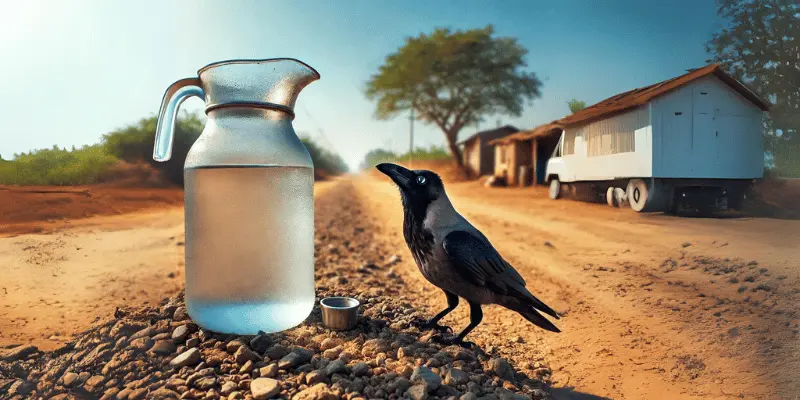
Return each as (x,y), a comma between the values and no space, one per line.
(158,353)
(30,209)
(775,198)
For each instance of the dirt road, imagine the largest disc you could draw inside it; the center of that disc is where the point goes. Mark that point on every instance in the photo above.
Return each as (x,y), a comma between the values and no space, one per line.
(653,306)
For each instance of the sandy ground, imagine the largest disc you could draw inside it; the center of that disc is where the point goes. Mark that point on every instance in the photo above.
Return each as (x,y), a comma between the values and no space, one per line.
(653,306)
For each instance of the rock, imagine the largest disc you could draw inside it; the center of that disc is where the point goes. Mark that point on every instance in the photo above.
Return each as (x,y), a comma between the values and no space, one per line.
(447,391)
(227,388)
(295,358)
(137,394)
(180,334)
(189,357)
(264,388)
(314,377)
(236,396)
(243,355)
(328,343)
(336,367)
(163,347)
(372,347)
(69,378)
(192,342)
(319,391)
(234,345)
(418,392)
(94,382)
(247,367)
(270,371)
(394,259)
(145,332)
(215,357)
(502,368)
(276,352)
(21,387)
(361,369)
(162,394)
(456,377)
(111,394)
(141,344)
(260,343)
(424,376)
(206,382)
(400,383)
(19,353)
(180,314)
(468,396)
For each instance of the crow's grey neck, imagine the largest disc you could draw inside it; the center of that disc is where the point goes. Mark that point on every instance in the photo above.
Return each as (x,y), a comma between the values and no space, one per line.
(441,216)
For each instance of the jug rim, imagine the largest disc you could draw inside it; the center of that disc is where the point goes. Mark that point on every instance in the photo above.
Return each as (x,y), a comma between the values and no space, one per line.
(254,61)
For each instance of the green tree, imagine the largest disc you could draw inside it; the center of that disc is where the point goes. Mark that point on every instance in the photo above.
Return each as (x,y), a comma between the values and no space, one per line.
(760,46)
(453,79)
(576,105)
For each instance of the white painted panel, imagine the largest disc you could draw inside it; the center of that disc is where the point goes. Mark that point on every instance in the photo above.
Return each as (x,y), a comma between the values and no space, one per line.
(707,130)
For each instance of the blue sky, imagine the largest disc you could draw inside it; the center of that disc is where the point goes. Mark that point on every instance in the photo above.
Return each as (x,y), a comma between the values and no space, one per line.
(73,70)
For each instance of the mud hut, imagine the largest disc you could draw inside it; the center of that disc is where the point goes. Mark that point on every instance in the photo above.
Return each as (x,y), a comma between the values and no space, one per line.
(520,159)
(478,155)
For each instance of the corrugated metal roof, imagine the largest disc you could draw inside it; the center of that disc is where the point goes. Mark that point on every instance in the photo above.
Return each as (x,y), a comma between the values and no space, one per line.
(552,128)
(641,96)
(492,133)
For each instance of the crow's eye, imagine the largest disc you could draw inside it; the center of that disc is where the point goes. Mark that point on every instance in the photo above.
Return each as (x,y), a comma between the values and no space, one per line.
(421,180)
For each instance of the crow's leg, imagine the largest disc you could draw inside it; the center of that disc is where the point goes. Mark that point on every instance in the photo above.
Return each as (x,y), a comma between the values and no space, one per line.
(433,323)
(475,318)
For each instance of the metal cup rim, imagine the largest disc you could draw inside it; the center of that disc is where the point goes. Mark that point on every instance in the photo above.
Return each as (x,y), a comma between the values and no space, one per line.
(324,303)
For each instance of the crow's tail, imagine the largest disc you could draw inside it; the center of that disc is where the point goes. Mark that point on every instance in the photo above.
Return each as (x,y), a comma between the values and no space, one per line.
(528,309)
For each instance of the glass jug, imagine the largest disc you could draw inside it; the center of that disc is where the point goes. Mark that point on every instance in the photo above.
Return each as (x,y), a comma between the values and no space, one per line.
(249,196)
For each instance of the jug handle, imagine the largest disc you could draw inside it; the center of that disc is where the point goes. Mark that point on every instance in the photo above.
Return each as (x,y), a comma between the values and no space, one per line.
(173,97)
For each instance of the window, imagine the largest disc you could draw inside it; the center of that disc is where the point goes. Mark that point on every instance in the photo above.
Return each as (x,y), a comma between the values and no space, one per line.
(616,134)
(569,142)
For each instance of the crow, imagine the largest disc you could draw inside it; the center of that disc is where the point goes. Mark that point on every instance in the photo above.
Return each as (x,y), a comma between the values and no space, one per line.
(456,257)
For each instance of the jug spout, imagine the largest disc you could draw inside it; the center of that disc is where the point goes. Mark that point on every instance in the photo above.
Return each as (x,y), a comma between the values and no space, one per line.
(272,83)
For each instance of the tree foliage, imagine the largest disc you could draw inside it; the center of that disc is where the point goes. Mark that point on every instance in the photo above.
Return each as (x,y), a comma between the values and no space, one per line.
(134,144)
(377,156)
(576,105)
(56,166)
(453,79)
(324,160)
(761,46)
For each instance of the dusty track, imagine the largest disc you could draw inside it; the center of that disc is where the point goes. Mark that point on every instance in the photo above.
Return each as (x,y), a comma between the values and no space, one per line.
(651,307)
(654,306)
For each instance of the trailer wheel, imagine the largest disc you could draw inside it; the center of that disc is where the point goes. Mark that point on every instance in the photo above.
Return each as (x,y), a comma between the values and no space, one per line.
(610,198)
(620,197)
(638,193)
(555,189)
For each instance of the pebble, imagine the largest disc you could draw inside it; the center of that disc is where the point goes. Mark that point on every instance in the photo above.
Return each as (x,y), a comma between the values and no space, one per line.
(424,376)
(336,367)
(456,377)
(270,371)
(180,314)
(319,391)
(295,358)
(227,388)
(361,368)
(264,388)
(247,367)
(189,357)
(69,378)
(260,343)
(314,377)
(502,368)
(163,347)
(192,342)
(19,353)
(180,334)
(418,392)
(244,354)
(234,345)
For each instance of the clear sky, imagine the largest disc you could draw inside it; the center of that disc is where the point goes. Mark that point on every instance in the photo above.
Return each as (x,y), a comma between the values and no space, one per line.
(73,70)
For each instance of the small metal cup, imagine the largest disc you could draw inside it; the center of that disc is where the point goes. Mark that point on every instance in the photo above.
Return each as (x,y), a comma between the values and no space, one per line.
(339,313)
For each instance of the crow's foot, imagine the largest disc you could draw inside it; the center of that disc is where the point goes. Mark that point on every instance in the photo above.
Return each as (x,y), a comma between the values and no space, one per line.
(455,340)
(436,327)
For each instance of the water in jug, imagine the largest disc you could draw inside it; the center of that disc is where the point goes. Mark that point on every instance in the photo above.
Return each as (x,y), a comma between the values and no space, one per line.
(249,205)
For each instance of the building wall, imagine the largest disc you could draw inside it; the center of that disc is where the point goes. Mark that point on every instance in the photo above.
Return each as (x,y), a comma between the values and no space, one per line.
(501,161)
(486,158)
(472,156)
(615,147)
(707,130)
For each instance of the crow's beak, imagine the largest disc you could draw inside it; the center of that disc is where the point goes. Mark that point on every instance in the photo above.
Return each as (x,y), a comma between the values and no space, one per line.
(401,176)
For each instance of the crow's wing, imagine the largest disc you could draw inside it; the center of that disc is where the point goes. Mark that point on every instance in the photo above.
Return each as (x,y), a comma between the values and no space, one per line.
(478,261)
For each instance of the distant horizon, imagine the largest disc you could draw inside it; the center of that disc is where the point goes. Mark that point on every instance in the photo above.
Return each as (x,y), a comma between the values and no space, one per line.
(86,68)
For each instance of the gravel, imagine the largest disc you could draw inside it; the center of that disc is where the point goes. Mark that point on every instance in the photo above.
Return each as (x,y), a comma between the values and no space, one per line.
(158,352)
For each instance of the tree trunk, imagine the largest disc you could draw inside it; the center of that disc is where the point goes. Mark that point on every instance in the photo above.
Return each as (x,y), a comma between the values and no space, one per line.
(454,150)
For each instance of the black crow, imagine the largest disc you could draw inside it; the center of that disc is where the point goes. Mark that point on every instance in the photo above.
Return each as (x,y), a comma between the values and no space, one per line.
(456,257)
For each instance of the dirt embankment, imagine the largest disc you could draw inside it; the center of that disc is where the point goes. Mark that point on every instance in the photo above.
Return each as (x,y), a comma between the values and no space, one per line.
(36,209)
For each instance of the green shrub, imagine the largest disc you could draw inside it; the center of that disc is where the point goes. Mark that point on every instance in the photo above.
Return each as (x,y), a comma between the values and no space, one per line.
(377,156)
(56,166)
(324,160)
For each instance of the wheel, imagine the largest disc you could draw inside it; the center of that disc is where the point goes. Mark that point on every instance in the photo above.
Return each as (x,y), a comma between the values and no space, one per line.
(647,198)
(555,189)
(620,198)
(610,200)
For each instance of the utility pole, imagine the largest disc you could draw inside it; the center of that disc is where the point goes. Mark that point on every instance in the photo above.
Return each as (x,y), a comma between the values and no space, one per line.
(411,139)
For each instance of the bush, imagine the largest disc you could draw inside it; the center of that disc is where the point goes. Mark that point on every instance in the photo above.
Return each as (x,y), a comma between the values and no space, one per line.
(56,166)
(378,156)
(324,160)
(134,144)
